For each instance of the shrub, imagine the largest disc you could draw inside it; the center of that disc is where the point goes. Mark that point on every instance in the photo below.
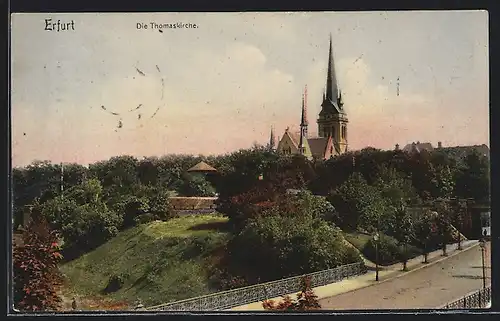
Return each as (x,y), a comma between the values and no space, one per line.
(115,283)
(196,185)
(306,300)
(144,218)
(389,251)
(288,240)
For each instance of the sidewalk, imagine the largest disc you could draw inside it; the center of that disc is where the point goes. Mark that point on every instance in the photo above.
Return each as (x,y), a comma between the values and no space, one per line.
(368,279)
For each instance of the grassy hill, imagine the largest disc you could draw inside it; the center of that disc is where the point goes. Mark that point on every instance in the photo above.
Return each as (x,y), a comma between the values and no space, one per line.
(157,262)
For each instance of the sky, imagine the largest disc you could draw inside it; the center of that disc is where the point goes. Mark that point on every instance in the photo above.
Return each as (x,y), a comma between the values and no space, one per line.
(221,86)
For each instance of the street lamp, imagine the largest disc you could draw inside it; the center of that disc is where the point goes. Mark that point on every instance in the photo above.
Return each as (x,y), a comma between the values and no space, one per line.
(376,238)
(482,244)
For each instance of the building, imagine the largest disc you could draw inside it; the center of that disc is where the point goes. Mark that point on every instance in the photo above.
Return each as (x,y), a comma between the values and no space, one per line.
(459,152)
(417,147)
(332,124)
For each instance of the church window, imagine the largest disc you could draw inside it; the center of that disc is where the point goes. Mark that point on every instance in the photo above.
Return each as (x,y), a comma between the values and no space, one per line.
(331,149)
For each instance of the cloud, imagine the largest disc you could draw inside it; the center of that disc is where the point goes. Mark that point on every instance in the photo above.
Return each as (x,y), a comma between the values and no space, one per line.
(202,110)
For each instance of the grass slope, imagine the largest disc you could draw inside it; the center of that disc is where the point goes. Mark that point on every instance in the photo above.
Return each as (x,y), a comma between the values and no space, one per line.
(160,261)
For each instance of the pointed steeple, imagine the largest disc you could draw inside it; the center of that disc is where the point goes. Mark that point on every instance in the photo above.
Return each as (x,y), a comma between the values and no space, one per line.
(272,140)
(331,78)
(303,123)
(306,122)
(303,117)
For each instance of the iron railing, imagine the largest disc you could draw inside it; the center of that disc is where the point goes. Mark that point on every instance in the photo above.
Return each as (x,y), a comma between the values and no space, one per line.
(260,292)
(476,300)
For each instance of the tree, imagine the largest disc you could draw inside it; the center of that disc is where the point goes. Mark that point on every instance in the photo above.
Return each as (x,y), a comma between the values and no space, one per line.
(287,240)
(404,231)
(443,182)
(118,174)
(473,180)
(147,171)
(394,187)
(424,231)
(242,170)
(36,275)
(196,185)
(443,223)
(82,218)
(422,173)
(358,205)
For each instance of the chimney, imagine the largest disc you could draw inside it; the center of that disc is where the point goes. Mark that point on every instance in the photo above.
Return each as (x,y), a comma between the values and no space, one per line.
(418,142)
(397,147)
(440,145)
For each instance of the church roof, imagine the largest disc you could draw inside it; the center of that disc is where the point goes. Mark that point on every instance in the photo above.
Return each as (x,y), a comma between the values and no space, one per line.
(202,167)
(295,137)
(318,145)
(418,147)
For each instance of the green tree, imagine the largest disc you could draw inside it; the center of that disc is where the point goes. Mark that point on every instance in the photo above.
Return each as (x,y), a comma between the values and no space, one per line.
(358,205)
(424,231)
(443,182)
(196,185)
(279,246)
(289,238)
(422,173)
(404,231)
(117,175)
(81,216)
(443,223)
(473,181)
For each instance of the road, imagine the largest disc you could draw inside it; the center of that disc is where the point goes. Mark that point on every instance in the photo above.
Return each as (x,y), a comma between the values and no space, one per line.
(426,288)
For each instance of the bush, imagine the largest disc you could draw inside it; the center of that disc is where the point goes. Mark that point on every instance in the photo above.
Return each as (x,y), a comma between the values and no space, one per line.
(288,240)
(389,251)
(115,283)
(306,300)
(144,218)
(196,185)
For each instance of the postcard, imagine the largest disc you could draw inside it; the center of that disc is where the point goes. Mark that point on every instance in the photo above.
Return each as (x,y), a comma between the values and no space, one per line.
(256,161)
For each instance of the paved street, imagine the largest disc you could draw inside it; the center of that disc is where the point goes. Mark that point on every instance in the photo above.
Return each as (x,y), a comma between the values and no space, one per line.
(429,287)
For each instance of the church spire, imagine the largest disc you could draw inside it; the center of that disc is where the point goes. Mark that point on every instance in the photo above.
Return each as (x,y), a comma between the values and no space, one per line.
(272,141)
(331,79)
(303,123)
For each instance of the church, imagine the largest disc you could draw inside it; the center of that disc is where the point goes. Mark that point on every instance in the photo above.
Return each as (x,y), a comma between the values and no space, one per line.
(332,124)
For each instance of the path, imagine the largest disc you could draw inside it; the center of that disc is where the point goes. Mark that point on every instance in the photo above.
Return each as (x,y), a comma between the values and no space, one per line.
(426,288)
(368,279)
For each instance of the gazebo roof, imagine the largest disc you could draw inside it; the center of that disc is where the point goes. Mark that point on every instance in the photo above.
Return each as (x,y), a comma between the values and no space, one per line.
(202,167)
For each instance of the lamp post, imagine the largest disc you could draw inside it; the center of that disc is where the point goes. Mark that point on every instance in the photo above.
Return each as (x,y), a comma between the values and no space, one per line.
(482,244)
(376,238)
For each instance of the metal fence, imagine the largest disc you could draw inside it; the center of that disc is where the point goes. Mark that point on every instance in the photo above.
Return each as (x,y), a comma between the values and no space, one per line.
(263,291)
(475,300)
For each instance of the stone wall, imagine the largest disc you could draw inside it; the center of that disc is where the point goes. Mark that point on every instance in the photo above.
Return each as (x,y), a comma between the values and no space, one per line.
(193,203)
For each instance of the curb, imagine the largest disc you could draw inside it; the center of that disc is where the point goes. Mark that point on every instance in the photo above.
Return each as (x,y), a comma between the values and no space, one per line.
(456,252)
